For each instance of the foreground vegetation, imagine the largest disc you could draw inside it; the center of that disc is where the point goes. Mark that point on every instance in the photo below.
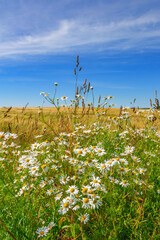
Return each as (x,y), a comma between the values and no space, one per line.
(79,173)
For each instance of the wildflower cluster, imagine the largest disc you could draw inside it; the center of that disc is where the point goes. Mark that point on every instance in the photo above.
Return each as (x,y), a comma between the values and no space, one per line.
(74,173)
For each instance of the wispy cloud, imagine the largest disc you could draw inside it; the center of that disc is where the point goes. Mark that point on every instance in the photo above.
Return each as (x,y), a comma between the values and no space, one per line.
(66,34)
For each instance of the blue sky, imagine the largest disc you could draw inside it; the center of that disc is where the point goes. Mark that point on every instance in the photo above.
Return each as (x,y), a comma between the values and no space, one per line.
(118,43)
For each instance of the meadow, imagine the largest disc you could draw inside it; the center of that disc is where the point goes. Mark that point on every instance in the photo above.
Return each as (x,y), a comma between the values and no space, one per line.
(72,172)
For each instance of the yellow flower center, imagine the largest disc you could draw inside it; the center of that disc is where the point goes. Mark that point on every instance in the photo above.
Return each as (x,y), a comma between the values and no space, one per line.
(90,191)
(80,152)
(41,232)
(103,166)
(85,200)
(85,190)
(66,205)
(95,181)
(72,190)
(83,218)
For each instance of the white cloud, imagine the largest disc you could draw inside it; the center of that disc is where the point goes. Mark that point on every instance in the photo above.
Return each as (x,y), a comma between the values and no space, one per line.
(134,31)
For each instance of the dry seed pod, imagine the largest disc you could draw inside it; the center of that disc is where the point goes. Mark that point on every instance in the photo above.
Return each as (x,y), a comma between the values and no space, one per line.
(85,82)
(78,60)
(120,112)
(88,87)
(156,93)
(150,102)
(77,90)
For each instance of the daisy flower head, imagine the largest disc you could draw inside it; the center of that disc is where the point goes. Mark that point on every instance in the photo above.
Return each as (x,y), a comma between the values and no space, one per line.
(95,203)
(76,207)
(50,225)
(135,159)
(84,218)
(64,98)
(64,179)
(42,231)
(113,180)
(73,190)
(129,150)
(100,151)
(96,182)
(65,205)
(86,202)
(138,182)
(102,167)
(74,178)
(49,192)
(58,196)
(124,183)
(44,168)
(79,152)
(46,94)
(85,189)
(54,168)
(142,170)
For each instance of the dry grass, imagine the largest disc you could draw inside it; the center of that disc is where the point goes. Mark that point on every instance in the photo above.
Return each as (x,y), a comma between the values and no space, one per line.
(35,121)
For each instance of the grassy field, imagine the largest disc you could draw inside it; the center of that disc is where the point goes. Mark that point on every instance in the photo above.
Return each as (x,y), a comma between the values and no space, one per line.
(93,174)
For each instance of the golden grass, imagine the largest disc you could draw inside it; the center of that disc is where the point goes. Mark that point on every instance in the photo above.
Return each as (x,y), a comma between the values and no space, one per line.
(31,121)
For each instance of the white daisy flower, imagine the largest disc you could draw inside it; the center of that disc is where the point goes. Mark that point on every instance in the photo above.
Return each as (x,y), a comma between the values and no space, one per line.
(124,183)
(50,225)
(42,231)
(76,207)
(50,191)
(86,202)
(73,190)
(58,196)
(84,218)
